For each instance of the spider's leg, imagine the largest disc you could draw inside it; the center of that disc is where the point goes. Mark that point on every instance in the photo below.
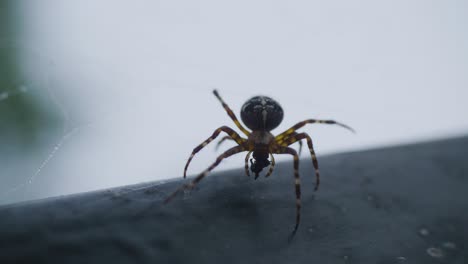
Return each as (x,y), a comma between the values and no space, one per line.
(297,182)
(300,147)
(272,165)
(298,138)
(194,182)
(222,140)
(231,113)
(226,129)
(247,172)
(284,139)
(310,121)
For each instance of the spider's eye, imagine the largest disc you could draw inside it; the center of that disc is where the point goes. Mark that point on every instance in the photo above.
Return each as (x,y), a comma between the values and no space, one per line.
(261,113)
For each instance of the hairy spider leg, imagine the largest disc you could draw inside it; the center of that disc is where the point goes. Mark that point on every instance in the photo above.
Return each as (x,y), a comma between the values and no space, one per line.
(272,165)
(231,113)
(222,140)
(293,129)
(247,172)
(297,182)
(298,138)
(197,179)
(233,134)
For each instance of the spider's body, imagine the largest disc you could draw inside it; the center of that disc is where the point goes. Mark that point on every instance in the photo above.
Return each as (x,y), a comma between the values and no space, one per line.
(261,140)
(261,114)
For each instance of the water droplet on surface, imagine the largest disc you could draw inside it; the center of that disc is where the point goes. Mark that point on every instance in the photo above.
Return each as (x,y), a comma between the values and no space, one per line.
(401,259)
(449,245)
(423,232)
(435,252)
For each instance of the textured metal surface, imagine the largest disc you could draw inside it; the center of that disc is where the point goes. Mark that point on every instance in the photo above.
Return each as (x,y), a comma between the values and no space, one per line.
(405,204)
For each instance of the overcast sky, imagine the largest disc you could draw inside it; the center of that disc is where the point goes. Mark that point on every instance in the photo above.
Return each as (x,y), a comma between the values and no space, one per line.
(136,77)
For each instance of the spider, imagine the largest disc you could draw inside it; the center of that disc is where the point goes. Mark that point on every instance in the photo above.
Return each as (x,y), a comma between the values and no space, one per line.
(261,114)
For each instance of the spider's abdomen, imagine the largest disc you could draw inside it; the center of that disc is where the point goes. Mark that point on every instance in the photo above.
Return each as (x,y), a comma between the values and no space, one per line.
(261,113)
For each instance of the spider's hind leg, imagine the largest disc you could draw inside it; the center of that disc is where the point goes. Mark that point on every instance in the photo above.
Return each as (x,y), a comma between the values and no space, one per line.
(231,113)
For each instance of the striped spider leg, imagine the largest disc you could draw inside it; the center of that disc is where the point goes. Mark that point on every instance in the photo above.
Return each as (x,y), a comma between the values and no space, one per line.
(293,129)
(231,113)
(297,181)
(297,137)
(232,134)
(193,183)
(290,136)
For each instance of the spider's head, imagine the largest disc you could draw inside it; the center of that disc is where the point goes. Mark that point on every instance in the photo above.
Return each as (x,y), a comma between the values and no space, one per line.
(261,161)
(261,113)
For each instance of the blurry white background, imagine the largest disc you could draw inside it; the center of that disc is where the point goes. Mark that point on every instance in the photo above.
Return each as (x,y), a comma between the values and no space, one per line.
(132,80)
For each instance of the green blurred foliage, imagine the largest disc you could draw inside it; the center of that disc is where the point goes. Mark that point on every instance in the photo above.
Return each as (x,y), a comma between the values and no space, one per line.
(22,117)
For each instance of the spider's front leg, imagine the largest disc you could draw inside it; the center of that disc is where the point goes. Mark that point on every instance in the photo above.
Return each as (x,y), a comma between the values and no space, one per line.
(283,139)
(246,167)
(293,129)
(239,140)
(197,179)
(297,138)
(272,165)
(297,183)
(247,172)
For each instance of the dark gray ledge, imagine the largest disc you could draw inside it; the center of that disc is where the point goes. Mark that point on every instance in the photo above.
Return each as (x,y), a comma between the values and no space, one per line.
(403,204)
